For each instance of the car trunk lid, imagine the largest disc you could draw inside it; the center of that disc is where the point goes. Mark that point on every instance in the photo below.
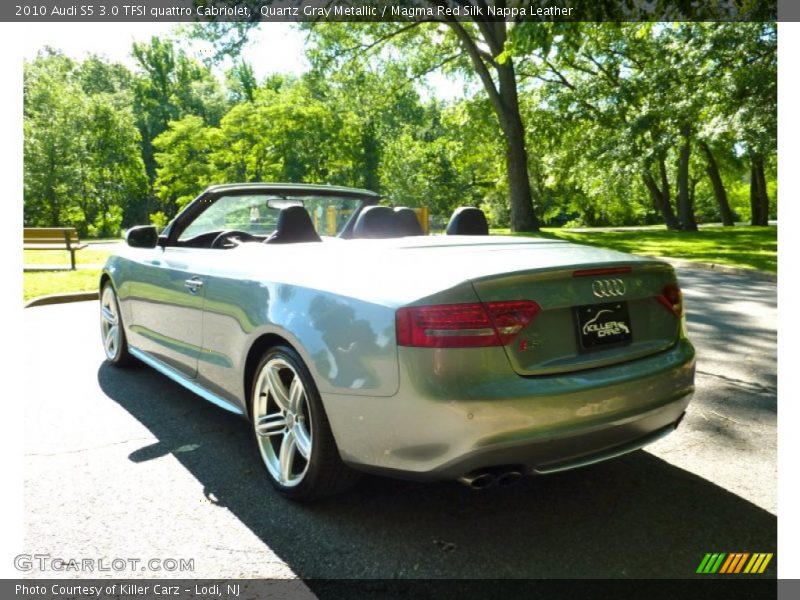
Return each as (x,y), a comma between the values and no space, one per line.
(590,315)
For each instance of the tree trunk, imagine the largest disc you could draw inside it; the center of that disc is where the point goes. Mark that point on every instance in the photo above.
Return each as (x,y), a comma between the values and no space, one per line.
(755,208)
(519,186)
(761,188)
(725,212)
(369,143)
(661,202)
(503,96)
(685,208)
(665,190)
(523,217)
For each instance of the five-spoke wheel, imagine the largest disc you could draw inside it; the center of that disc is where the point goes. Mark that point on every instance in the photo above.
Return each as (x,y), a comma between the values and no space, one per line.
(111,330)
(282,422)
(292,431)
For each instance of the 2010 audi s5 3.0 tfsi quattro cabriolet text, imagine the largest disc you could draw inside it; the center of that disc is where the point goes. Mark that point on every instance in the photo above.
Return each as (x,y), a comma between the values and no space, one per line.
(353,342)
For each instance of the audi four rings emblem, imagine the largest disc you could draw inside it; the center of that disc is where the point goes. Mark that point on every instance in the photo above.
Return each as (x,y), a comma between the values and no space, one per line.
(608,288)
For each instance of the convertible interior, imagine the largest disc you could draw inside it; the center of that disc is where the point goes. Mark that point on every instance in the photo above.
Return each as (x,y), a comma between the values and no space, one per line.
(294,225)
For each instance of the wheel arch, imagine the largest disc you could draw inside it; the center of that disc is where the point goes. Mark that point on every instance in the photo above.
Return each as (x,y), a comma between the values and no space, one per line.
(105,277)
(259,346)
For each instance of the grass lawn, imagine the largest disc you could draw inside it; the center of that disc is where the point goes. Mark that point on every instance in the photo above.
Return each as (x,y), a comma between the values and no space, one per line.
(43,283)
(87,256)
(745,246)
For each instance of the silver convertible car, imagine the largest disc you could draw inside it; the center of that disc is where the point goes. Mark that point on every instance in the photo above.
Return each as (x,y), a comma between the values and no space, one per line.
(352,342)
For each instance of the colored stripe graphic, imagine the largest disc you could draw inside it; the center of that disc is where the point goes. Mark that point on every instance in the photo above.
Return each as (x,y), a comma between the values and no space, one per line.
(735,562)
(732,558)
(711,563)
(724,563)
(758,563)
(741,562)
(703,563)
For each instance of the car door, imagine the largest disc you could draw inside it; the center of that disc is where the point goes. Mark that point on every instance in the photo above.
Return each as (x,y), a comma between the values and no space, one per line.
(166,301)
(169,285)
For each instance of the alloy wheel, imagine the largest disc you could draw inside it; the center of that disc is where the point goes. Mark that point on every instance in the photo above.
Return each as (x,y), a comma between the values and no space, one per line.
(282,422)
(109,323)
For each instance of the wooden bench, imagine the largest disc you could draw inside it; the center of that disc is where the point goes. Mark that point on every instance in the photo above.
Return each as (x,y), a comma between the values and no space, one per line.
(52,238)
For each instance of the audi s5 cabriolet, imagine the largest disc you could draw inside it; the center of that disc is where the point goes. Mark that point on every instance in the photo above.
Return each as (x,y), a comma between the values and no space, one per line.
(353,342)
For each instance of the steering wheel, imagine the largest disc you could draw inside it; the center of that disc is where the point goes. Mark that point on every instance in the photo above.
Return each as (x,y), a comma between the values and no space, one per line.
(230,238)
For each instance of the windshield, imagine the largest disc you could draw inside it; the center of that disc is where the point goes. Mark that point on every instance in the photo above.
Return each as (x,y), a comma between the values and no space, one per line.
(257,214)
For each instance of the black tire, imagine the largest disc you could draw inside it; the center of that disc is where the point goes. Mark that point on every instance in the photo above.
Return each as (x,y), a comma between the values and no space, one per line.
(323,472)
(118,355)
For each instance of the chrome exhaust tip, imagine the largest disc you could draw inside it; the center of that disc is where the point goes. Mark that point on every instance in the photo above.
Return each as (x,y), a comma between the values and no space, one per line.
(509,478)
(478,480)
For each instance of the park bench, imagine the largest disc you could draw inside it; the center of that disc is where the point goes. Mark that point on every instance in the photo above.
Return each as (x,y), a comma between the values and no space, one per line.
(53,238)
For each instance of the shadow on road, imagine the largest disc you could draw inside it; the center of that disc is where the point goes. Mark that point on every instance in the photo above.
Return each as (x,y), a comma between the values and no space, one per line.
(732,321)
(636,516)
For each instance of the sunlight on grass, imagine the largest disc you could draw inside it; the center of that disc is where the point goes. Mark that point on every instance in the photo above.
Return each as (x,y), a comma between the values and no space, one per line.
(747,247)
(43,283)
(87,256)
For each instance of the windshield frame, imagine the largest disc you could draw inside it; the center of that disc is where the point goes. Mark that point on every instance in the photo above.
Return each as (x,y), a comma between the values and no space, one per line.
(171,234)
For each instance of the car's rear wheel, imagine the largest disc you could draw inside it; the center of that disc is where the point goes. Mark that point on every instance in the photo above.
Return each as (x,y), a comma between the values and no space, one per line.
(292,431)
(112,333)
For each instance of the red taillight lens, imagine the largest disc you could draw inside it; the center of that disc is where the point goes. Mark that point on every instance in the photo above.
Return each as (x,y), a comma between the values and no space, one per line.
(509,318)
(463,325)
(672,299)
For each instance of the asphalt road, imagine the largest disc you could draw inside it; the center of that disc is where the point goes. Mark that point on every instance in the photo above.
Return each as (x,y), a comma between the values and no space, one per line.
(127,464)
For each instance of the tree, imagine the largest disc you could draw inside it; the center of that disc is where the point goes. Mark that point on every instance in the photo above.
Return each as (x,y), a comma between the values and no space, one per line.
(482,54)
(170,86)
(242,83)
(631,123)
(82,154)
(648,95)
(380,99)
(51,141)
(117,180)
(752,86)
(183,154)
(496,71)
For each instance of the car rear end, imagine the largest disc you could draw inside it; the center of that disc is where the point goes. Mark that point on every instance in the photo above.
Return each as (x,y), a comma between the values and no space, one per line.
(542,370)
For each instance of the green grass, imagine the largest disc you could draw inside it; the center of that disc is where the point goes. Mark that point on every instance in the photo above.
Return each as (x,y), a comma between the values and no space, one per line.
(744,246)
(87,256)
(748,247)
(43,283)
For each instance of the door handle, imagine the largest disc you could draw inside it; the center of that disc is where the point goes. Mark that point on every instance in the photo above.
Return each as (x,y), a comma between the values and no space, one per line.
(193,284)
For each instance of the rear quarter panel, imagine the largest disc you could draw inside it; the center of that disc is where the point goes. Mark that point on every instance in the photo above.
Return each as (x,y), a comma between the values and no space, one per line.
(347,344)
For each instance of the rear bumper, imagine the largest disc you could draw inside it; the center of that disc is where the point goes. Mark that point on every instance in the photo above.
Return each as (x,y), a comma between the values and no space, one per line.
(444,423)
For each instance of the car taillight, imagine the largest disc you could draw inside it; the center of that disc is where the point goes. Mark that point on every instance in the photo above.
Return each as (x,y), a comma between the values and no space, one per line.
(672,299)
(467,325)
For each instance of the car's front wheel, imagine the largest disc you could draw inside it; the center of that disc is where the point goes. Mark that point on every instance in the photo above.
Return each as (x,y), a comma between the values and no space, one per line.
(111,331)
(292,431)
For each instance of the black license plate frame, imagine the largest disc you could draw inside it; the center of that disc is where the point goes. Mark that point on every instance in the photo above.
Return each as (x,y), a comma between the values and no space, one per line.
(602,326)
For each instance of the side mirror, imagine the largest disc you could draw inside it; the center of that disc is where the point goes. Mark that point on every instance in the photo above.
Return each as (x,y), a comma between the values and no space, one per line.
(142,236)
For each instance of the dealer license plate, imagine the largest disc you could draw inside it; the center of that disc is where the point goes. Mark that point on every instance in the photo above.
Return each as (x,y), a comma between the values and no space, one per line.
(603,325)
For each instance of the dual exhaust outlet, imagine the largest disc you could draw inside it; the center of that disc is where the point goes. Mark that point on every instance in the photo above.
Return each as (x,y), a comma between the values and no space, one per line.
(483,479)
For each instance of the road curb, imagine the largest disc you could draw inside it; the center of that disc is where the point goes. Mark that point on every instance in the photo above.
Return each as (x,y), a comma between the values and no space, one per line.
(62,299)
(689,264)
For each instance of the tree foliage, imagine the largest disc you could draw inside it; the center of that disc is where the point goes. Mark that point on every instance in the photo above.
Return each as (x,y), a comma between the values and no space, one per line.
(589,123)
(82,153)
